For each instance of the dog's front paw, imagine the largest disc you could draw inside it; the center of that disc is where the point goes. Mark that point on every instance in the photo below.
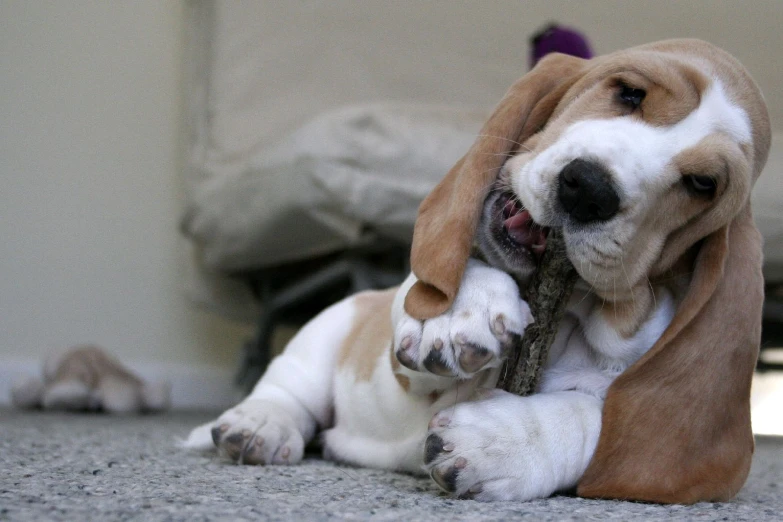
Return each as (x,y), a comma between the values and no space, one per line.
(506,447)
(258,432)
(476,333)
(473,450)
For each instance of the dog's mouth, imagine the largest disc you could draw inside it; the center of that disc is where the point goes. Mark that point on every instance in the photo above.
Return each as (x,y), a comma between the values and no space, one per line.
(519,227)
(508,238)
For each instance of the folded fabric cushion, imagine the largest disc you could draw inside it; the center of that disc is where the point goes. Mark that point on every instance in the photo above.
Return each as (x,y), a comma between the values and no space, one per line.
(319,188)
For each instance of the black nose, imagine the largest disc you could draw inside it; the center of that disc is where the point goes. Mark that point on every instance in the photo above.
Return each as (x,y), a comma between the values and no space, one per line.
(585,190)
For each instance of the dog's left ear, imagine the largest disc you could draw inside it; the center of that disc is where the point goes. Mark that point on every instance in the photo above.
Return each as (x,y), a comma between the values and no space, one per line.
(449,215)
(676,425)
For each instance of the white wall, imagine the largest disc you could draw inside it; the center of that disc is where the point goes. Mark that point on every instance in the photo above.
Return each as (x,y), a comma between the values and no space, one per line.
(90,117)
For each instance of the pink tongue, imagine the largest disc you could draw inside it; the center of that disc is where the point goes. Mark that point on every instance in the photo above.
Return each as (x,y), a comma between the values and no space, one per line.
(520,228)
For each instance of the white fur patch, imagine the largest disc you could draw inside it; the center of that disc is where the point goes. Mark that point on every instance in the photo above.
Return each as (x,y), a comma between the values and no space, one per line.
(507,447)
(609,343)
(636,153)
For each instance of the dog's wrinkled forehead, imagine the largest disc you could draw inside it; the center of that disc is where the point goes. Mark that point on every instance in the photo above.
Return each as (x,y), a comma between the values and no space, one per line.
(693,89)
(634,150)
(634,112)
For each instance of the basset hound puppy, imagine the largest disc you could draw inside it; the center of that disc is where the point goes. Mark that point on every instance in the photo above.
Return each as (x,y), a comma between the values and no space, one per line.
(645,158)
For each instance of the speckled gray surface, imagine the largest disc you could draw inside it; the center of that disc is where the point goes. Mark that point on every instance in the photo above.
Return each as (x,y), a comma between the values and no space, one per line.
(81,467)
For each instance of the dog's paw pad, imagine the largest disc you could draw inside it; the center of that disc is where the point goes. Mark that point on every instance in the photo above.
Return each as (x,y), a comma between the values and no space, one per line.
(258,433)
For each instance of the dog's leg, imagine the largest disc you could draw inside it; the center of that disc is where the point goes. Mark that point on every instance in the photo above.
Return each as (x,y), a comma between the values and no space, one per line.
(506,447)
(383,414)
(474,335)
(293,398)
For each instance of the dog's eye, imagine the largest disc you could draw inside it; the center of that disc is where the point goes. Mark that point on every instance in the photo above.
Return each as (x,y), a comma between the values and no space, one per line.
(631,97)
(703,186)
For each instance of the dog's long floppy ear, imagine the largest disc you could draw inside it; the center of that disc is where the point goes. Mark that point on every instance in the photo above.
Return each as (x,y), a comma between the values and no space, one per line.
(448,217)
(676,425)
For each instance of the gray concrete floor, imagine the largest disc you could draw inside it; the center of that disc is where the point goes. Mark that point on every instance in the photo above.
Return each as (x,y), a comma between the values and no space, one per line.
(92,467)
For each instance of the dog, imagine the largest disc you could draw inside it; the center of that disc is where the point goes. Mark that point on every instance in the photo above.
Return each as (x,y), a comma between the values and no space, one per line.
(89,378)
(645,159)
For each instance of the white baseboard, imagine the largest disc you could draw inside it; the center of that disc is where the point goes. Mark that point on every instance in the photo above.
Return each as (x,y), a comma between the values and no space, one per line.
(198,387)
(192,386)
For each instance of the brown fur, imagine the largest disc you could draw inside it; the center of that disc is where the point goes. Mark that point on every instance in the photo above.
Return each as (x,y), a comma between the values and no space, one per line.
(90,365)
(370,336)
(404,380)
(448,217)
(627,316)
(676,425)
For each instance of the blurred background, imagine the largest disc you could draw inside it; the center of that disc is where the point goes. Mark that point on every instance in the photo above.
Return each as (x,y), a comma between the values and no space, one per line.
(180,177)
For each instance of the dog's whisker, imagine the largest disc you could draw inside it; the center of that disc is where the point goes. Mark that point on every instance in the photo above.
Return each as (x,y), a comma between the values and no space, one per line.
(488,170)
(590,288)
(614,296)
(499,138)
(628,280)
(339,467)
(652,292)
(486,192)
(504,154)
(502,184)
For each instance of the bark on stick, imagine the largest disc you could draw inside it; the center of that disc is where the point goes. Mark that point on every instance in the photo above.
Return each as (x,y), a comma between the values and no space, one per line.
(547,295)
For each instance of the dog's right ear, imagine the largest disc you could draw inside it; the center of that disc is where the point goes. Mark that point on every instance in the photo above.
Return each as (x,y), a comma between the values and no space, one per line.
(449,215)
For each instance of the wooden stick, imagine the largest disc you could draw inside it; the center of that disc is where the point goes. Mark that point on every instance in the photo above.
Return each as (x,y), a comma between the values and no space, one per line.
(547,295)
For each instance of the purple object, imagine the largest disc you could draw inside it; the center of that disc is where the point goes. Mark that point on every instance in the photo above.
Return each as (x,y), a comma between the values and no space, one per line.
(556,39)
